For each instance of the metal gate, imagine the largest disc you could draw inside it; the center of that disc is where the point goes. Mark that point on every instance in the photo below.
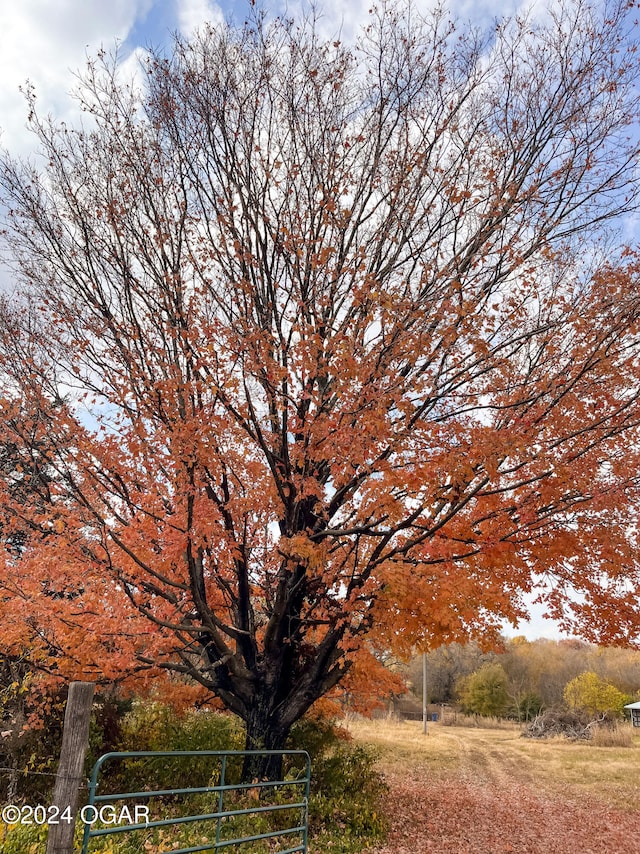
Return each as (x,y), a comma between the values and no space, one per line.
(121,812)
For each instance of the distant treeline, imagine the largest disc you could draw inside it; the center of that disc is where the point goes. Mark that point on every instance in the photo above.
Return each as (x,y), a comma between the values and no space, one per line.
(526,676)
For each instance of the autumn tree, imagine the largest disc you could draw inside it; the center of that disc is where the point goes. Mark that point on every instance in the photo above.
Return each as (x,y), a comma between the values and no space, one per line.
(447,666)
(619,666)
(328,348)
(486,692)
(594,695)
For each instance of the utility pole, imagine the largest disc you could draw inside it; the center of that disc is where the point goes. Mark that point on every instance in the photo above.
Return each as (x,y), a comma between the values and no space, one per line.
(424,693)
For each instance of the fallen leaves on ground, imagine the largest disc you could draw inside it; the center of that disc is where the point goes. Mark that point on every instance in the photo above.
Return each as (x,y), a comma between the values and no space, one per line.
(466,817)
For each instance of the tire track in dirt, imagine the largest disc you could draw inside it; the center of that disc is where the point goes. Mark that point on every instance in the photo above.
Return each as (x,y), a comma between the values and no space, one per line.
(489,804)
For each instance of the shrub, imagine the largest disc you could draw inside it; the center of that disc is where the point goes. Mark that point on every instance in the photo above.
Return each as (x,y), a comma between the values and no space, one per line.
(22,839)
(527,708)
(344,806)
(30,744)
(31,737)
(154,726)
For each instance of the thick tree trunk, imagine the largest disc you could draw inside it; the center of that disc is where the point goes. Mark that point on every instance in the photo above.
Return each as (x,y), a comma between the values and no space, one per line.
(263,733)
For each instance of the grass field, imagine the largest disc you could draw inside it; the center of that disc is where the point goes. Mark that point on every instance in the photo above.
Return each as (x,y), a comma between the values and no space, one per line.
(469,790)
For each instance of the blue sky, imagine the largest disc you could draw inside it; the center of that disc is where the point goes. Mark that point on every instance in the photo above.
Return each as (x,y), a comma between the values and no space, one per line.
(48,41)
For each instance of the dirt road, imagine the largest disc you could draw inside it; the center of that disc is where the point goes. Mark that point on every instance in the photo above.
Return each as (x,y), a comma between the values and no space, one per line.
(467,791)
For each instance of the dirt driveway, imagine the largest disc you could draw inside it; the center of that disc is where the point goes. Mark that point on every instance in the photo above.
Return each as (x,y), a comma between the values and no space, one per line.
(467,791)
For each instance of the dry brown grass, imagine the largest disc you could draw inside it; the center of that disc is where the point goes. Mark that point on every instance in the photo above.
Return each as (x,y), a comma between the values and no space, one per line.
(606,768)
(620,735)
(489,791)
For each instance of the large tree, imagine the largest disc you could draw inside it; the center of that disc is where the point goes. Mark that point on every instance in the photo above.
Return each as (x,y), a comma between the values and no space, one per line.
(322,347)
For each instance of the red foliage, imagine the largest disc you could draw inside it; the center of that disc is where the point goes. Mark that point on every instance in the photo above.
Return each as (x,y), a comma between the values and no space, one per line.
(465,817)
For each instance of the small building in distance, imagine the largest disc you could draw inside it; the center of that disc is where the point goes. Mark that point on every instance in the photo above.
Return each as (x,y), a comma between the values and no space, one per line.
(634,709)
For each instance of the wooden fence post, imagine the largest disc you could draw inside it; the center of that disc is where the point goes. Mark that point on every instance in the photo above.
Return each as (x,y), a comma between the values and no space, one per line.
(75,740)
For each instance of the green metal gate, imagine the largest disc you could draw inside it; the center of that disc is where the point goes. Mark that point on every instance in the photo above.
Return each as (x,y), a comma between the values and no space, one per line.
(290,795)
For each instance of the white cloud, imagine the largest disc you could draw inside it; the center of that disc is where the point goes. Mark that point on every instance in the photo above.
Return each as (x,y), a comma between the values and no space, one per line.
(339,20)
(47,42)
(536,626)
(336,20)
(192,14)
(131,72)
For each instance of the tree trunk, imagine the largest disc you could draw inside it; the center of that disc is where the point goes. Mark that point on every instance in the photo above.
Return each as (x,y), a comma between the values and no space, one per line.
(263,733)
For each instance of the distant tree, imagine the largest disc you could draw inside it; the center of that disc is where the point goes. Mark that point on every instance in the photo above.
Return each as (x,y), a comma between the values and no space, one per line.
(518,667)
(594,695)
(545,666)
(446,667)
(486,692)
(330,351)
(619,666)
(524,706)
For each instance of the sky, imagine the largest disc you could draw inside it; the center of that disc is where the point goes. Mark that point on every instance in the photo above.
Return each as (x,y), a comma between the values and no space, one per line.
(47,42)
